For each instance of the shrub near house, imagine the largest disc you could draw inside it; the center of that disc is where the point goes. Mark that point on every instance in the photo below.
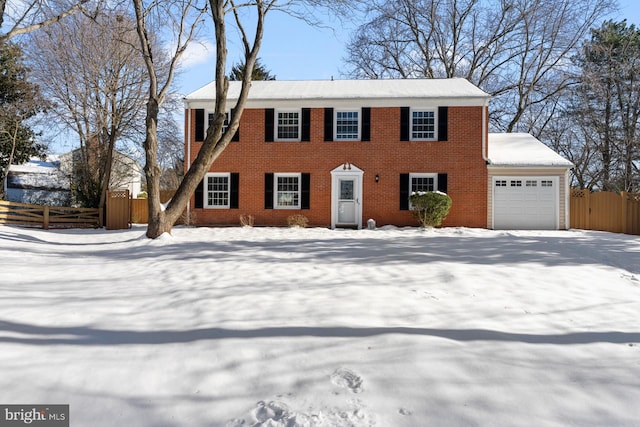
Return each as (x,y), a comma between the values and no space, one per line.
(430,208)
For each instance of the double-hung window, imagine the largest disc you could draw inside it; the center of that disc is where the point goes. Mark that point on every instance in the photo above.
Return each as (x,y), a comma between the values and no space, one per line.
(288,125)
(225,125)
(347,125)
(411,183)
(423,125)
(422,182)
(217,191)
(287,191)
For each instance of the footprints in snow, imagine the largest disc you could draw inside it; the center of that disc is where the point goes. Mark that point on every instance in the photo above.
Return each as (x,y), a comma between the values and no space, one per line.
(278,414)
(346,378)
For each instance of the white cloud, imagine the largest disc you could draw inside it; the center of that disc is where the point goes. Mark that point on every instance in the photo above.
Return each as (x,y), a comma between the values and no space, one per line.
(198,53)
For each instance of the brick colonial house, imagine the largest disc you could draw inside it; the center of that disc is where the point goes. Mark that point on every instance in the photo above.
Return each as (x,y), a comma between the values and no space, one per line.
(341,152)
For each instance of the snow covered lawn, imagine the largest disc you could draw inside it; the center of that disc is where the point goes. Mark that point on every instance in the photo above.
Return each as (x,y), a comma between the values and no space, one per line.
(314,327)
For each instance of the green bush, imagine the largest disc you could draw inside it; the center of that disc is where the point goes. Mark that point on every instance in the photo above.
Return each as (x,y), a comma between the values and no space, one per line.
(430,208)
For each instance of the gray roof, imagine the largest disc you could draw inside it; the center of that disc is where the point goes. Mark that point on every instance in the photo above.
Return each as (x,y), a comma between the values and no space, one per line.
(355,90)
(521,150)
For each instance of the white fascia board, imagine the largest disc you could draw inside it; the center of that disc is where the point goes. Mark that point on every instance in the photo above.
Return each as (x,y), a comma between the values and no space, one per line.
(344,103)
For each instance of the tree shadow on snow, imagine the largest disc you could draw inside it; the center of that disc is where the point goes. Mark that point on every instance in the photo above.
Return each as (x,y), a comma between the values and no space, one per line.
(21,333)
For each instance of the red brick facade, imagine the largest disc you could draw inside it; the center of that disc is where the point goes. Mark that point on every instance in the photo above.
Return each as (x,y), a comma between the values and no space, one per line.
(384,156)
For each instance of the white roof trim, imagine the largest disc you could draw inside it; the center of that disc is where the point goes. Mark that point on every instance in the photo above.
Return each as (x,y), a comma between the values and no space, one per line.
(373,93)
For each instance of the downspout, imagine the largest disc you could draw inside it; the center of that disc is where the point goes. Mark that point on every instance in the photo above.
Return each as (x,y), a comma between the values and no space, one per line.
(567,200)
(188,135)
(485,131)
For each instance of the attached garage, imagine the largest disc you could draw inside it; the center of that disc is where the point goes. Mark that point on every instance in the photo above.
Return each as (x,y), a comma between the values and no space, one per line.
(528,184)
(525,202)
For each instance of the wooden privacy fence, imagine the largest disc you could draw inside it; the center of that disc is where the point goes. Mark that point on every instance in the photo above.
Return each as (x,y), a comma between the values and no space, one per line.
(48,216)
(118,210)
(605,211)
(140,207)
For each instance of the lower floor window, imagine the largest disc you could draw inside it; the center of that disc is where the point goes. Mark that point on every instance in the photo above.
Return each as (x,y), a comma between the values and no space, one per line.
(422,182)
(217,190)
(287,191)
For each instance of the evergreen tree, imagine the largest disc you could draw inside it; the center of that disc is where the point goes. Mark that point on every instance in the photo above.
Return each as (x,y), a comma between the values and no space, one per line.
(607,108)
(19,101)
(259,72)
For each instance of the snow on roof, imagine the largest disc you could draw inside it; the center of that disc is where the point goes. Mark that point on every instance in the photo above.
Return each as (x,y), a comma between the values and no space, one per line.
(36,173)
(522,149)
(35,165)
(272,90)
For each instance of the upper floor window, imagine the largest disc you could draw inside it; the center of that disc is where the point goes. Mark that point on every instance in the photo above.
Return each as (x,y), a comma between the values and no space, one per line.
(347,125)
(225,125)
(288,125)
(423,125)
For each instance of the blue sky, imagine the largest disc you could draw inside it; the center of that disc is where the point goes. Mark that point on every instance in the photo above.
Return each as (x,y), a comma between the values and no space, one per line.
(294,50)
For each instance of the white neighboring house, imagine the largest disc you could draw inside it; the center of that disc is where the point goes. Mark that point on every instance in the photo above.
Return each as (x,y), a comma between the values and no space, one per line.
(38,182)
(48,183)
(126,173)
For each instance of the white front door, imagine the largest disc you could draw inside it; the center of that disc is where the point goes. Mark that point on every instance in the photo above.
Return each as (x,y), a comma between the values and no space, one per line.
(347,202)
(346,196)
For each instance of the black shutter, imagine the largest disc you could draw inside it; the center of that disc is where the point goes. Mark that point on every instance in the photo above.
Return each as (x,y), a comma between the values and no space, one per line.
(328,124)
(442,182)
(405,124)
(269,117)
(443,121)
(305,190)
(236,136)
(268,191)
(404,191)
(199,194)
(234,190)
(306,125)
(366,124)
(199,124)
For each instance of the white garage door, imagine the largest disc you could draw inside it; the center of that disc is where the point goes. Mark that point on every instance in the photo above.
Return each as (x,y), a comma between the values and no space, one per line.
(529,203)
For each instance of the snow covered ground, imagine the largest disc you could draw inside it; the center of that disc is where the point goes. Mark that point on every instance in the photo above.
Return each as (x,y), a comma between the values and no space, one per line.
(314,327)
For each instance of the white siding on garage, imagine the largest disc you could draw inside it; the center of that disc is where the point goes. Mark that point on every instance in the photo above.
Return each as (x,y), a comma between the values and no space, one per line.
(525,202)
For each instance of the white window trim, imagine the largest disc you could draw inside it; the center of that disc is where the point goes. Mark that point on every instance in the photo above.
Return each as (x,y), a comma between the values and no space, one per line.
(227,119)
(435,124)
(275,190)
(275,124)
(421,175)
(205,195)
(335,123)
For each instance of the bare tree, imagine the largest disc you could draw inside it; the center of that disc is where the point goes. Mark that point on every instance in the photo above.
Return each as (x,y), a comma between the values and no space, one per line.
(607,103)
(185,18)
(162,220)
(518,51)
(26,16)
(91,69)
